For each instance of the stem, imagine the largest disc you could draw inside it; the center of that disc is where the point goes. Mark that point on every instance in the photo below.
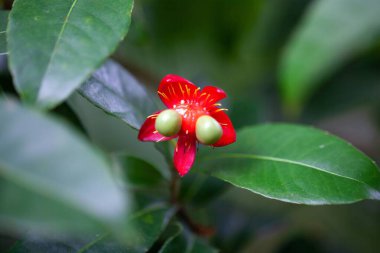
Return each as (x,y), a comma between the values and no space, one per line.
(182,214)
(174,187)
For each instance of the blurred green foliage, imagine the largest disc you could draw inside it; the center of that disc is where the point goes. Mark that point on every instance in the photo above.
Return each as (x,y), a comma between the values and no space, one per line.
(241,46)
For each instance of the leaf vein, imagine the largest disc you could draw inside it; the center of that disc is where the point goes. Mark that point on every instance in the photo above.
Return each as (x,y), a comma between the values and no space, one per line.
(283,160)
(59,38)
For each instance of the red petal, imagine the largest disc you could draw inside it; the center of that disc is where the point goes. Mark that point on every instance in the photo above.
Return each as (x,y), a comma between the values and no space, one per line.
(184,154)
(174,88)
(229,134)
(210,95)
(148,130)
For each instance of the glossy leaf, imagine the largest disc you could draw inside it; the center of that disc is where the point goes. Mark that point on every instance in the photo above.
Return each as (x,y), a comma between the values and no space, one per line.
(117,92)
(52,179)
(33,243)
(142,180)
(295,164)
(54,45)
(200,189)
(3,30)
(173,232)
(180,240)
(140,173)
(331,32)
(149,224)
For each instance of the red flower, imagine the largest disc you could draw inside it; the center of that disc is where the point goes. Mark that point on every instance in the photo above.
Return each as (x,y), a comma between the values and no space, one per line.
(186,99)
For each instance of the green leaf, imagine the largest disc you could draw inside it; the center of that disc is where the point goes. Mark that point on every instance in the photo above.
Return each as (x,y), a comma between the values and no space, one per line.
(3,30)
(54,45)
(117,92)
(149,224)
(200,189)
(33,243)
(140,173)
(331,32)
(52,179)
(295,164)
(143,181)
(180,240)
(120,138)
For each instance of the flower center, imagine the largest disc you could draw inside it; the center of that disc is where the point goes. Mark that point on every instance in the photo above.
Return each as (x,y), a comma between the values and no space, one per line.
(190,113)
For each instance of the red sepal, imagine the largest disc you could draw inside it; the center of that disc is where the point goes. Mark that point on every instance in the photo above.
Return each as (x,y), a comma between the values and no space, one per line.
(229,134)
(184,154)
(209,95)
(174,88)
(148,130)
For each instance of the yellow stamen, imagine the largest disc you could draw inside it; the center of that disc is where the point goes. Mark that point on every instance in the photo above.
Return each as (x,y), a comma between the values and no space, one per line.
(196,91)
(180,87)
(187,90)
(163,95)
(220,109)
(173,90)
(153,116)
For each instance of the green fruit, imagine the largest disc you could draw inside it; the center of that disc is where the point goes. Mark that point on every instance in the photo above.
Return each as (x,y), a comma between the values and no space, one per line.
(208,130)
(168,122)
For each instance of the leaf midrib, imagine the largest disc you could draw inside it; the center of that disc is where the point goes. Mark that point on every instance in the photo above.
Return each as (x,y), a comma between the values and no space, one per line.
(283,160)
(55,48)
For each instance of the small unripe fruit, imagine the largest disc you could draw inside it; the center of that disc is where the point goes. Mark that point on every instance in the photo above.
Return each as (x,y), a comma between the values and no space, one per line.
(168,122)
(208,130)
